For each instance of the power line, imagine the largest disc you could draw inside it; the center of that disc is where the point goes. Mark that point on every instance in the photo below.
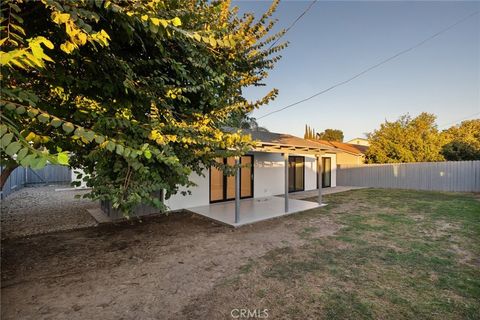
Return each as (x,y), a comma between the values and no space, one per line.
(374,66)
(454,122)
(293,23)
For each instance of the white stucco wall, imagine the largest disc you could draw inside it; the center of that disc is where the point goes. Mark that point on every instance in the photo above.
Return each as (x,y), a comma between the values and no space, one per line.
(199,196)
(268,180)
(75,173)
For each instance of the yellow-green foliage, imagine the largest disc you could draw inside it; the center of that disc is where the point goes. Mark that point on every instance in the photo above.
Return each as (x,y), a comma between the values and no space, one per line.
(137,92)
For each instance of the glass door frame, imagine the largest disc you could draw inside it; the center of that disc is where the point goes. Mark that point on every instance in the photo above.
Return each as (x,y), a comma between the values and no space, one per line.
(225,184)
(324,173)
(295,173)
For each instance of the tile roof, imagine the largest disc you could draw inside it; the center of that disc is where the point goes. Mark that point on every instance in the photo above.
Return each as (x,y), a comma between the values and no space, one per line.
(348,147)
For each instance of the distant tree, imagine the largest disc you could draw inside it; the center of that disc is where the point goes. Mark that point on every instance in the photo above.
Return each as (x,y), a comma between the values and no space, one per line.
(308,133)
(460,151)
(463,141)
(331,135)
(406,140)
(243,121)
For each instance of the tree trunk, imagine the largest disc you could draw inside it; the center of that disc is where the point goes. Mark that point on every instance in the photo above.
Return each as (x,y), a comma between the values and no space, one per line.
(6,173)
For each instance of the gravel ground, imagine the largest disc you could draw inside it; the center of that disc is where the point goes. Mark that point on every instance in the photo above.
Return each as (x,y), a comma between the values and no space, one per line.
(40,210)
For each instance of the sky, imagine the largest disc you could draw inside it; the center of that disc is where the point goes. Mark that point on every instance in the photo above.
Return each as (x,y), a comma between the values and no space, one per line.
(337,39)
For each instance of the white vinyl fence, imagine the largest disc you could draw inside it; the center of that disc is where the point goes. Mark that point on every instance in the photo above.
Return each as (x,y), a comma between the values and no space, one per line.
(459,176)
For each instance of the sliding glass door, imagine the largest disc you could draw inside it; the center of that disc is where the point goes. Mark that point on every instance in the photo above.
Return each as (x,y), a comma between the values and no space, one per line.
(327,172)
(296,173)
(222,187)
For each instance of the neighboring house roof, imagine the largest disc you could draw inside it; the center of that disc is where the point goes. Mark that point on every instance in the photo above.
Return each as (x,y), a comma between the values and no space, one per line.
(359,141)
(347,147)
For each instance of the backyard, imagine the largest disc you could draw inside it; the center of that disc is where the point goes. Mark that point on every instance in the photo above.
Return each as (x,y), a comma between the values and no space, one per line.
(371,253)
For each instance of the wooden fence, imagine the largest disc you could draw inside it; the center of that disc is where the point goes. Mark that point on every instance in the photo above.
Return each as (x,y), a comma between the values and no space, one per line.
(21,177)
(459,176)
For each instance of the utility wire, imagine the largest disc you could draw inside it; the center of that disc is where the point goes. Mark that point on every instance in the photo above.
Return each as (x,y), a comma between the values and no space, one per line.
(454,122)
(374,66)
(293,23)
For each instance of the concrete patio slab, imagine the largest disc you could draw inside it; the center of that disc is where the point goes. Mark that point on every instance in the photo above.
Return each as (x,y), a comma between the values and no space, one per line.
(252,210)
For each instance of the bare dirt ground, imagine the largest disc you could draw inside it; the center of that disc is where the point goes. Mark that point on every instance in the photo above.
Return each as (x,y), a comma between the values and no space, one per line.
(39,210)
(136,270)
(369,254)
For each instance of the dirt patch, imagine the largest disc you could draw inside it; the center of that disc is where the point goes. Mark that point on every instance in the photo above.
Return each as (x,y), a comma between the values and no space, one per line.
(464,256)
(38,210)
(440,229)
(418,217)
(148,270)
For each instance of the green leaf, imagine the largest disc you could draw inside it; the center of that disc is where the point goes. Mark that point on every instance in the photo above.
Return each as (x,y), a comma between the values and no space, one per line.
(3,129)
(56,122)
(10,106)
(62,158)
(89,135)
(38,163)
(13,148)
(79,132)
(22,153)
(110,146)
(6,139)
(21,110)
(147,154)
(68,127)
(99,139)
(27,161)
(119,149)
(43,118)
(32,112)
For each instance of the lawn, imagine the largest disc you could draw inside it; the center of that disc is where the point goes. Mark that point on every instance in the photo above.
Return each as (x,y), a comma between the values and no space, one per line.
(384,254)
(399,255)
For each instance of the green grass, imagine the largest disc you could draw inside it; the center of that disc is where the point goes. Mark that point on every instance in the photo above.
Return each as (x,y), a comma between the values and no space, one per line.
(399,255)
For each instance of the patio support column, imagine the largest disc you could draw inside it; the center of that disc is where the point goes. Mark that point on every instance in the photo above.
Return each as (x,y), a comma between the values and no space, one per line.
(237,190)
(319,177)
(285,157)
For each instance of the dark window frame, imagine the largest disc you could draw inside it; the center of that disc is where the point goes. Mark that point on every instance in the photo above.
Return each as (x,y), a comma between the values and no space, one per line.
(295,173)
(323,172)
(225,178)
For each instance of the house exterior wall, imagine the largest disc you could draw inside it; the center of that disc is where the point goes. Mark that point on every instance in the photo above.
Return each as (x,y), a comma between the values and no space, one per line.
(269,179)
(348,158)
(200,194)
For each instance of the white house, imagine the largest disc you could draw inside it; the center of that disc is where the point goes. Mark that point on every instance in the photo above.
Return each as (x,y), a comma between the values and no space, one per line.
(280,163)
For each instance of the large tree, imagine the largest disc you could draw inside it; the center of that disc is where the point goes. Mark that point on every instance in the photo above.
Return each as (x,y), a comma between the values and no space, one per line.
(406,140)
(135,92)
(331,135)
(463,141)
